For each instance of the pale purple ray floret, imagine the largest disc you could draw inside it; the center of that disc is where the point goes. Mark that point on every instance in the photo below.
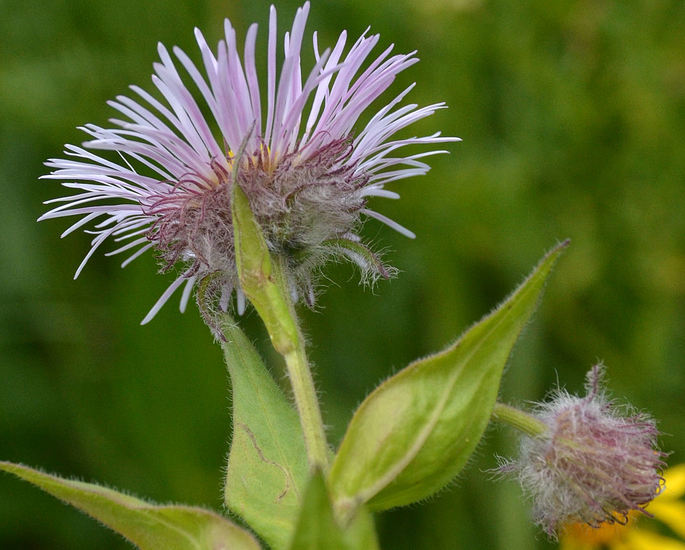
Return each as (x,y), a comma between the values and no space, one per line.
(165,183)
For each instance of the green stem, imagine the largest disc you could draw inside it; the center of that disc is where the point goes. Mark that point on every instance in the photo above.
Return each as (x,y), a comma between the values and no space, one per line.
(518,419)
(289,342)
(308,407)
(263,279)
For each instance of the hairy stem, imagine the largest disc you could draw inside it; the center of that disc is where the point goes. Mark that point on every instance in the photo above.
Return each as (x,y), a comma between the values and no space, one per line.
(289,342)
(308,407)
(518,419)
(263,280)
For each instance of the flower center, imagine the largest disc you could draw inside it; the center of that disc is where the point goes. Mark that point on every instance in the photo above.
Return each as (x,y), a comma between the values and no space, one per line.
(300,201)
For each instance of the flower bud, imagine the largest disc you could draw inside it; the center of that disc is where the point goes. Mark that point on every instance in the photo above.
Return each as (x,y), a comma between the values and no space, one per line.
(594,463)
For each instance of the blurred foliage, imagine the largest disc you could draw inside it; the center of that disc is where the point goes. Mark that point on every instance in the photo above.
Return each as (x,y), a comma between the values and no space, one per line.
(573,120)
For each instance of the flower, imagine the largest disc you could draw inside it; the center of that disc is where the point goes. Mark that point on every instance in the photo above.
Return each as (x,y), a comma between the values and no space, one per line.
(307,176)
(594,463)
(635,535)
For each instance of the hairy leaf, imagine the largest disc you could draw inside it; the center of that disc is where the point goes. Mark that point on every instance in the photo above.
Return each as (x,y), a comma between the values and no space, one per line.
(318,529)
(415,432)
(148,526)
(267,465)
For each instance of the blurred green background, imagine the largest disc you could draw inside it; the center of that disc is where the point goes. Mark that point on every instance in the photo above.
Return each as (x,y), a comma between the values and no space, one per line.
(573,120)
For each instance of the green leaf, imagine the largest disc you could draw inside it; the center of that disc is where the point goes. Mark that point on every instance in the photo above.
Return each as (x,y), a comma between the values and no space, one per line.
(415,432)
(267,465)
(264,282)
(148,526)
(360,533)
(260,278)
(317,528)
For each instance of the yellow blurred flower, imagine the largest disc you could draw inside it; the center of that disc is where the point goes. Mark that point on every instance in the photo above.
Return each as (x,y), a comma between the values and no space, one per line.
(667,508)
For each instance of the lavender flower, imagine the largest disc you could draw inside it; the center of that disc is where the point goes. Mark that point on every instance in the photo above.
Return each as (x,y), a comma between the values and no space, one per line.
(307,176)
(594,464)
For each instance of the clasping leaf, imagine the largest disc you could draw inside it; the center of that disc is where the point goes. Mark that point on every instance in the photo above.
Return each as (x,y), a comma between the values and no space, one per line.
(148,526)
(414,433)
(261,278)
(267,465)
(318,528)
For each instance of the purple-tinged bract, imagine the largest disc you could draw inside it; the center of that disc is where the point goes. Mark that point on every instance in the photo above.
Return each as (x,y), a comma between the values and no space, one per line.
(290,146)
(595,463)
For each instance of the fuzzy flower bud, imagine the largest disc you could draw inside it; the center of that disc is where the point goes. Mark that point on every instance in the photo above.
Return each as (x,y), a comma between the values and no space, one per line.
(593,463)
